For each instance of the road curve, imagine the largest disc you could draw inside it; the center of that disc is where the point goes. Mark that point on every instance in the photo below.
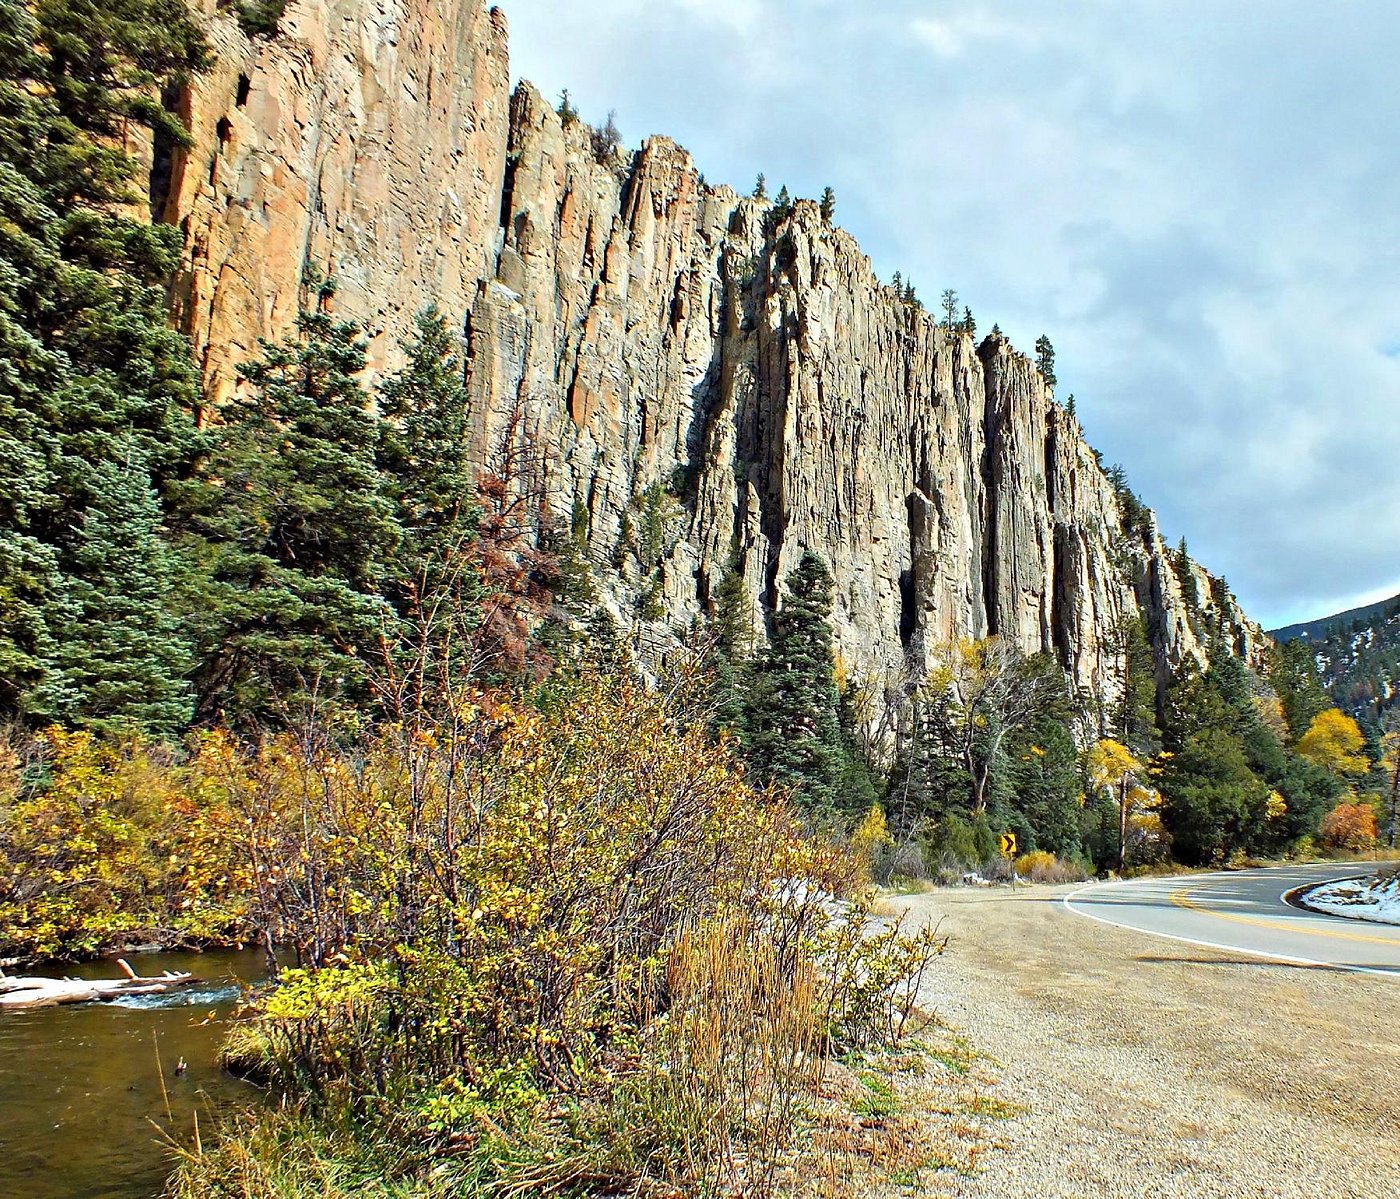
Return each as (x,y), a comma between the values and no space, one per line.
(1244,911)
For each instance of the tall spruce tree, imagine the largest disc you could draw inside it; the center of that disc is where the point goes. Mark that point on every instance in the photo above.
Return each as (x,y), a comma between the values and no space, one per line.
(795,734)
(1294,677)
(121,659)
(431,578)
(298,528)
(1135,721)
(1041,799)
(91,377)
(732,655)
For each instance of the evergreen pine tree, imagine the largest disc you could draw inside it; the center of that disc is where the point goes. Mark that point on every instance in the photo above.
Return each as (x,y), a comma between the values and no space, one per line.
(299,527)
(828,205)
(565,629)
(431,579)
(1135,722)
(1042,792)
(424,440)
(1293,675)
(92,380)
(567,110)
(795,738)
(949,305)
(121,659)
(927,781)
(732,655)
(1045,359)
(605,648)
(782,206)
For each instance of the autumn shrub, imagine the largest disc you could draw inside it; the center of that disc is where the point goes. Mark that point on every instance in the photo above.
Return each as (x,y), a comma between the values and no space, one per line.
(1036,860)
(874,844)
(1041,866)
(1350,825)
(107,842)
(1302,850)
(517,928)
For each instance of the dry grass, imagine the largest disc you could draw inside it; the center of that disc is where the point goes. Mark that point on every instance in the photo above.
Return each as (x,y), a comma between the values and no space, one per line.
(893,1123)
(714,1096)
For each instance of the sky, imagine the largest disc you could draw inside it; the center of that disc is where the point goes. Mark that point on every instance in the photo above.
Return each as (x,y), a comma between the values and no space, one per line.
(1199,204)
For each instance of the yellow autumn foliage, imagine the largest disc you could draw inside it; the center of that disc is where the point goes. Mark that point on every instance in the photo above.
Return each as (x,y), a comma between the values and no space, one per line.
(872,835)
(1110,762)
(108,842)
(1334,741)
(571,921)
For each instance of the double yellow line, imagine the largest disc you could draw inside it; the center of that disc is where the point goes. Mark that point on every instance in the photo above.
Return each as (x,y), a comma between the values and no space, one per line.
(1182,899)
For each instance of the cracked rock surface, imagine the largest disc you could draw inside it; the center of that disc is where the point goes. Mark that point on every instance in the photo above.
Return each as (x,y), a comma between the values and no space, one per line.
(649,327)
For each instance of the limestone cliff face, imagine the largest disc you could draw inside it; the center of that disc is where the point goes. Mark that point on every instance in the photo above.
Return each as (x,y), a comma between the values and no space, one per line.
(652,329)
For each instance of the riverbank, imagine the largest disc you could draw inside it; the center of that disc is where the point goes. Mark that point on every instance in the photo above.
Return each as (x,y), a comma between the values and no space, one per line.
(92,1097)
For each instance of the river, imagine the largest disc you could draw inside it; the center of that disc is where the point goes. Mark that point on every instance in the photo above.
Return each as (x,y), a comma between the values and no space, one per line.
(82,1114)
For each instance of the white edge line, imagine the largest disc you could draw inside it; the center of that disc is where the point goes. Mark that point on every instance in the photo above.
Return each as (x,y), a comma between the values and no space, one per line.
(1255,953)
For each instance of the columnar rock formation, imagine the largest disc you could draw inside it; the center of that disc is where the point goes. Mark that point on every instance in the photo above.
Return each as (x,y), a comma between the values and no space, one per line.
(652,329)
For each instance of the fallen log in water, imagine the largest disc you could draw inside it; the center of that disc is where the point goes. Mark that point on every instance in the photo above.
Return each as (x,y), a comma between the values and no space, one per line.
(49,992)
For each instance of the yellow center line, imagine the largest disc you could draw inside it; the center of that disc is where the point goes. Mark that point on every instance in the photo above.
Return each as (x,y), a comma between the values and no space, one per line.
(1182,899)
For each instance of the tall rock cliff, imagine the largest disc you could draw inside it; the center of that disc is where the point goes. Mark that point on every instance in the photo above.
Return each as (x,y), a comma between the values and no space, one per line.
(675,345)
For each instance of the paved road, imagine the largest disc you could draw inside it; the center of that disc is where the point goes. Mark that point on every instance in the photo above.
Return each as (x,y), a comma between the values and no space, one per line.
(1244,911)
(1154,1069)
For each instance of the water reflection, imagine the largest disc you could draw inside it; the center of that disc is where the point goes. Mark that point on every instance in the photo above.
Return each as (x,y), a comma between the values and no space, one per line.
(82,1114)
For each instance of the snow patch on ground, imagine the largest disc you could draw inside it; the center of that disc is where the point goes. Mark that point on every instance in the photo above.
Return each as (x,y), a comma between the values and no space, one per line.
(1376,898)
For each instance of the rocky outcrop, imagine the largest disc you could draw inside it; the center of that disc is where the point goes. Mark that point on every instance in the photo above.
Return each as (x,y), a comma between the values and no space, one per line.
(367,139)
(650,329)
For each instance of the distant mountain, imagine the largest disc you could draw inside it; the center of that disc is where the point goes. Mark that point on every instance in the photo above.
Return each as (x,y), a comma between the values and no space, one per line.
(1324,626)
(1358,655)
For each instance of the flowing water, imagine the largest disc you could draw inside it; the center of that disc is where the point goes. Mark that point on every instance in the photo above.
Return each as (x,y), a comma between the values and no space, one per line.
(82,1113)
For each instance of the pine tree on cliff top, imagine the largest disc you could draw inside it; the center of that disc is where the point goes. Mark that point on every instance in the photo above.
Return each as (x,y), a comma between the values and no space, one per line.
(1045,360)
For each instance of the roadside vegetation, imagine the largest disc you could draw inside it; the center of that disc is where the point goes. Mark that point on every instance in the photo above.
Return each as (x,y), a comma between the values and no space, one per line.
(558,947)
(324,676)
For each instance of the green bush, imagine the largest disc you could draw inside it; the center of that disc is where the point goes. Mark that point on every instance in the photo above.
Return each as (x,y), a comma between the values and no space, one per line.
(968,842)
(260,18)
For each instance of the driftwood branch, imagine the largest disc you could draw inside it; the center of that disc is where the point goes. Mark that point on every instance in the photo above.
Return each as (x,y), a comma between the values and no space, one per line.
(50,992)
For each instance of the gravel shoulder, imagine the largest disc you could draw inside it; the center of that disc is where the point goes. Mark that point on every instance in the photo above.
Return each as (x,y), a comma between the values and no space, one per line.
(1152,1068)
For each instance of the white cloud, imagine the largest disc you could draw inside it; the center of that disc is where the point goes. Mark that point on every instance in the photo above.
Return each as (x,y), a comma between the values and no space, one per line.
(1202,210)
(952,36)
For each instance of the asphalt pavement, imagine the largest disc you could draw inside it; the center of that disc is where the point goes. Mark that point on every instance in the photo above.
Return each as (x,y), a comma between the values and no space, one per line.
(1245,911)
